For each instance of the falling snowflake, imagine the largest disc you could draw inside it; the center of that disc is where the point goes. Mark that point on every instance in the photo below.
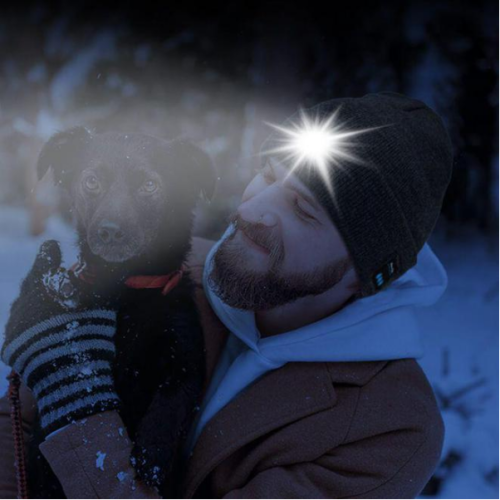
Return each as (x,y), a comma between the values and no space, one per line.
(99,463)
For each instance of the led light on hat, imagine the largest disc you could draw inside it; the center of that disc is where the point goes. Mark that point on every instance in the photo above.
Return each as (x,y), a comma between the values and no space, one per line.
(317,143)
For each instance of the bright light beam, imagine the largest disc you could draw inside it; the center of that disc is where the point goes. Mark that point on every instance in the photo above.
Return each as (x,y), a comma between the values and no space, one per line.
(317,143)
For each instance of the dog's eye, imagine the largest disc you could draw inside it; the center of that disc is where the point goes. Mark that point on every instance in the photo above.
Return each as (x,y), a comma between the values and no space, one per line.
(149,186)
(91,183)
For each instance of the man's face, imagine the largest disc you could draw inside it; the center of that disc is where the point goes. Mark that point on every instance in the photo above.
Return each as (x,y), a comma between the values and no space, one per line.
(285,246)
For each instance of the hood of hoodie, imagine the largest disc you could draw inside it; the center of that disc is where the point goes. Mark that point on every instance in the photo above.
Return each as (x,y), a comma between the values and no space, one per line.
(381,326)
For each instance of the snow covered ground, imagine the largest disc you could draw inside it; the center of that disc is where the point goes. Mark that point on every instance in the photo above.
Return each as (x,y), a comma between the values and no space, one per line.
(460,335)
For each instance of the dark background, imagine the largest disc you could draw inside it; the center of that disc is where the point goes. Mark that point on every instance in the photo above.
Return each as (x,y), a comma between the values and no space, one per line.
(216,74)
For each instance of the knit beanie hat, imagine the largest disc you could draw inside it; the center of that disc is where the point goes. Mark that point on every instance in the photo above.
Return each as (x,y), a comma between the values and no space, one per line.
(386,207)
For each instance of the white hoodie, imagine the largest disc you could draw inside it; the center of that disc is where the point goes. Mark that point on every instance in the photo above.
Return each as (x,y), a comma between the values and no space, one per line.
(379,327)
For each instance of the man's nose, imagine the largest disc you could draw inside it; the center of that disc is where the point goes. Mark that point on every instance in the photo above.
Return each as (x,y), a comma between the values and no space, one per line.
(258,210)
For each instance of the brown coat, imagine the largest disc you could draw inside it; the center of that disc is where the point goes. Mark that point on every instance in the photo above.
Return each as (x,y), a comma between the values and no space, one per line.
(306,430)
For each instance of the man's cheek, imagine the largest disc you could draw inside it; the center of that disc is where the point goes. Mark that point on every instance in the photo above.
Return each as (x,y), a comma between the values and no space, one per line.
(294,235)
(298,251)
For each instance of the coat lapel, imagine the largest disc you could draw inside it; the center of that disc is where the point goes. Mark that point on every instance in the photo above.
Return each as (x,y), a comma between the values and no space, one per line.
(278,398)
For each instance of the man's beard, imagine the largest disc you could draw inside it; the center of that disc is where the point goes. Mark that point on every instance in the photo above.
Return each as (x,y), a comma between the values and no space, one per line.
(257,291)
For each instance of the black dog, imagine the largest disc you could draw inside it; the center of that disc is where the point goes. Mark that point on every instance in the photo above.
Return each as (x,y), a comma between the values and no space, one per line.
(133,198)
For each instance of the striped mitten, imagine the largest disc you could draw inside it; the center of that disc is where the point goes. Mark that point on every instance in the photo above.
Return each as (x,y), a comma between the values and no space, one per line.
(61,344)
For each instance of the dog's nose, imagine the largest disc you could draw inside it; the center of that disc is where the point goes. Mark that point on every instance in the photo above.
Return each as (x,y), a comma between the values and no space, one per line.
(110,232)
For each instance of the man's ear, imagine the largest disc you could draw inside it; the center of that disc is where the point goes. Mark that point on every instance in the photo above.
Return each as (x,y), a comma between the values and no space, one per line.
(196,165)
(60,151)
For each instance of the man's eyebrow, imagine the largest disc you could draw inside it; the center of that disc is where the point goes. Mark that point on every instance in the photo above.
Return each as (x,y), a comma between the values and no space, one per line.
(298,190)
(306,197)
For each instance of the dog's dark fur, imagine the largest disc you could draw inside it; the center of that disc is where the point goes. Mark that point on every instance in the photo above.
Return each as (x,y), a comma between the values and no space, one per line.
(159,348)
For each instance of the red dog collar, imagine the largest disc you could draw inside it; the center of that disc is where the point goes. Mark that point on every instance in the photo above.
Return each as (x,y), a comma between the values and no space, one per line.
(167,282)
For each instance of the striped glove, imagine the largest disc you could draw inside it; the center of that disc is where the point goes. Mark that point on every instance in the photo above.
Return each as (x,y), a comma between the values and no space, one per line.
(60,341)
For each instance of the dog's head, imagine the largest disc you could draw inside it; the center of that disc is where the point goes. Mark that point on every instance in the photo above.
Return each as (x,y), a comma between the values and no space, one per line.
(131,192)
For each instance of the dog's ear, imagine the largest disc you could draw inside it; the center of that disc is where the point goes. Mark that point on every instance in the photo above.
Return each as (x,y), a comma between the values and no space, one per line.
(60,151)
(196,165)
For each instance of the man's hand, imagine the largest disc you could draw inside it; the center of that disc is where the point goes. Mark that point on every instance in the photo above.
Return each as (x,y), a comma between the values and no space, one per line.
(60,341)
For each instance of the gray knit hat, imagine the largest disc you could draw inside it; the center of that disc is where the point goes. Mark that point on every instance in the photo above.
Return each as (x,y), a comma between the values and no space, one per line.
(387,207)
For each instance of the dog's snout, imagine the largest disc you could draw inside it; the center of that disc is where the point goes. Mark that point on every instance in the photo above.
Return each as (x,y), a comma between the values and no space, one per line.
(110,232)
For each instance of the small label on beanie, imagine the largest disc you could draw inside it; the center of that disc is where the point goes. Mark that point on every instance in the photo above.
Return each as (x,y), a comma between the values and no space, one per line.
(386,272)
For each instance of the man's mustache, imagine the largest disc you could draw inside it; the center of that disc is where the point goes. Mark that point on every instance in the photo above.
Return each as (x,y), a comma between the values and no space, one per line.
(262,235)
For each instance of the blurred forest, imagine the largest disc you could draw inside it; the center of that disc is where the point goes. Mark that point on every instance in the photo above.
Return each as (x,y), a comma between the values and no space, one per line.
(217,74)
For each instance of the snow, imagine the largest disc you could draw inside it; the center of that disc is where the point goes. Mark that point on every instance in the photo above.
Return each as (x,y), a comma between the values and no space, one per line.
(460,336)
(99,462)
(86,371)
(121,476)
(59,285)
(461,361)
